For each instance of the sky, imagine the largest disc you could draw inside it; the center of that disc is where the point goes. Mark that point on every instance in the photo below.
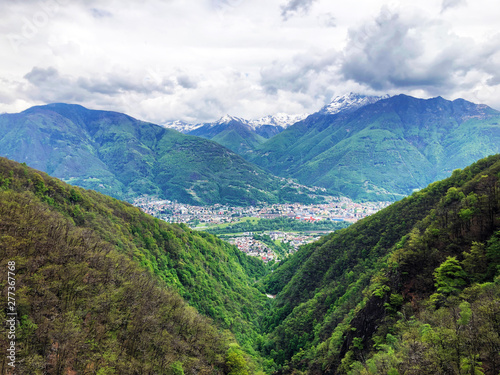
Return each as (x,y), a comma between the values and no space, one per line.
(197,60)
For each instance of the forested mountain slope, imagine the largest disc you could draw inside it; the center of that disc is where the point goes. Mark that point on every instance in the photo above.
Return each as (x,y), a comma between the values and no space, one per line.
(122,157)
(99,284)
(232,133)
(413,289)
(383,150)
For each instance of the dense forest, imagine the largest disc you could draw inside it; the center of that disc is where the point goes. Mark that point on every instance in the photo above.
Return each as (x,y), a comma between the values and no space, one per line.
(284,224)
(413,289)
(102,288)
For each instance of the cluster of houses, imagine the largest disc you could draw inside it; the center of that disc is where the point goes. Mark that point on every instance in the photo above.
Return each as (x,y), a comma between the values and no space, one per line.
(337,209)
(252,247)
(249,245)
(294,239)
(201,217)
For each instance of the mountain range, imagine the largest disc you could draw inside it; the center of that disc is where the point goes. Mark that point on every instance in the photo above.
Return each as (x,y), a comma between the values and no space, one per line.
(363,147)
(368,147)
(120,156)
(244,136)
(271,123)
(386,149)
(239,135)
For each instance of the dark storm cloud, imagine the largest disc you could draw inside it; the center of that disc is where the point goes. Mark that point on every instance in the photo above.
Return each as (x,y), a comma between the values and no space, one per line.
(293,7)
(394,52)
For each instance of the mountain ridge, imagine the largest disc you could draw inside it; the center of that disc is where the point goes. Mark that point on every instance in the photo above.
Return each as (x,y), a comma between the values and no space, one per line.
(361,299)
(280,120)
(124,157)
(383,150)
(103,286)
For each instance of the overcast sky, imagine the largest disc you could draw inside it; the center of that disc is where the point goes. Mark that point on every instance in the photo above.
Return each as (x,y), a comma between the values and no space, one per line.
(197,60)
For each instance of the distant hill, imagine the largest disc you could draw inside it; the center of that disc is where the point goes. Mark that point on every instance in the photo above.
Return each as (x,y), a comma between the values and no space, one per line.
(237,134)
(412,289)
(244,136)
(120,156)
(375,148)
(232,132)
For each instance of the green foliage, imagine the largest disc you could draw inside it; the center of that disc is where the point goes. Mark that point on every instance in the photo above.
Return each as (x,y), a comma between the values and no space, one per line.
(125,158)
(281,223)
(83,305)
(176,368)
(236,363)
(39,184)
(383,151)
(397,292)
(450,277)
(90,258)
(475,262)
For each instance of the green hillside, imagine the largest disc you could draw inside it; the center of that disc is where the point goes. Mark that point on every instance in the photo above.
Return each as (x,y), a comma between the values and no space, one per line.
(83,293)
(101,287)
(413,289)
(234,135)
(122,157)
(385,150)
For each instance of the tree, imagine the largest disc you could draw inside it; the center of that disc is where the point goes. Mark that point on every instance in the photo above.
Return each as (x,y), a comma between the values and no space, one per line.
(450,277)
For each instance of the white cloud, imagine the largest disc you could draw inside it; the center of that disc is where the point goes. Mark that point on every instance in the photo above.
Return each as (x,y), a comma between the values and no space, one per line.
(409,51)
(198,60)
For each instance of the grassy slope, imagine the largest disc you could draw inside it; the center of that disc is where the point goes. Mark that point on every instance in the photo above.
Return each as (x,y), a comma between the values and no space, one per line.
(235,136)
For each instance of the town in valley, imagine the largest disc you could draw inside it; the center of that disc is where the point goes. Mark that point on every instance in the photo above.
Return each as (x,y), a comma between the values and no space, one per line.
(269,245)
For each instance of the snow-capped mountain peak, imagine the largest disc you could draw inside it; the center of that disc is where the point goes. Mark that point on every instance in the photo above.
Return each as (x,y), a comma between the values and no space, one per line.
(181,126)
(281,119)
(227,119)
(350,102)
(344,103)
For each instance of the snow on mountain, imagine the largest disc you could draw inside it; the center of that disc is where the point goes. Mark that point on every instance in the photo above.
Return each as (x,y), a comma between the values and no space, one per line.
(344,103)
(349,103)
(281,119)
(227,119)
(181,126)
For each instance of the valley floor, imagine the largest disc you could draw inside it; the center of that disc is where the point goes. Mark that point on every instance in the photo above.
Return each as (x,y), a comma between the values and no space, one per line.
(274,240)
